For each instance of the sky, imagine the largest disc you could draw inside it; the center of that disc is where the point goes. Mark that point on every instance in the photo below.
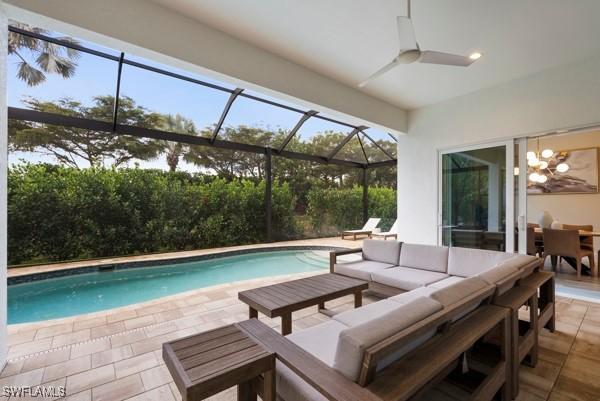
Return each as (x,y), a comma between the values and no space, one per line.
(97,76)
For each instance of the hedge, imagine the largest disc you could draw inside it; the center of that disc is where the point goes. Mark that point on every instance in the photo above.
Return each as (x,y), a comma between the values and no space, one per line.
(332,210)
(60,213)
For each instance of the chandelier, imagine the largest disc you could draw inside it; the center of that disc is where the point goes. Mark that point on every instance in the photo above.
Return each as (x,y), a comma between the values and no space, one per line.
(544,164)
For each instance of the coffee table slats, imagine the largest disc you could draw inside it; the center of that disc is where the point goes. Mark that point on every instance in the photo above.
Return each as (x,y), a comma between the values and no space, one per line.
(202,357)
(276,296)
(207,336)
(289,294)
(231,361)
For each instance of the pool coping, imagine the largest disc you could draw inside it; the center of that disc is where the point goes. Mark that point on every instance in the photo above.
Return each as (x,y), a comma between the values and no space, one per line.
(122,265)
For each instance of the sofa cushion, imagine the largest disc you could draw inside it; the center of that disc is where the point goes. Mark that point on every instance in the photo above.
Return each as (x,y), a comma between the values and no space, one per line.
(320,340)
(498,273)
(365,313)
(361,269)
(406,278)
(424,257)
(446,282)
(381,251)
(466,262)
(291,387)
(354,340)
(457,291)
(412,294)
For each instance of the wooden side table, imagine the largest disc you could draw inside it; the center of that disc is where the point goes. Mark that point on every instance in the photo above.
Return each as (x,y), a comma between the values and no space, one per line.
(207,363)
(544,283)
(524,334)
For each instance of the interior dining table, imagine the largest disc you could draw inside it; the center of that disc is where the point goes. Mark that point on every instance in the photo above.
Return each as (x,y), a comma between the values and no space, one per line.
(571,261)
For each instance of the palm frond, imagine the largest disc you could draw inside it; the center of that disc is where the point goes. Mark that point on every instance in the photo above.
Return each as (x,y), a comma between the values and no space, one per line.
(31,75)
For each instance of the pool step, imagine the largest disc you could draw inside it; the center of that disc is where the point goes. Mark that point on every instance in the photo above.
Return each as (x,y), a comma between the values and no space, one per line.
(312,260)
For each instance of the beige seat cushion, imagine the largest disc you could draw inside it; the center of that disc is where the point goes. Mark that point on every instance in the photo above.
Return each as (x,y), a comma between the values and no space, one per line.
(424,257)
(457,291)
(361,269)
(381,251)
(354,340)
(446,282)
(406,278)
(291,387)
(320,340)
(411,295)
(466,262)
(354,317)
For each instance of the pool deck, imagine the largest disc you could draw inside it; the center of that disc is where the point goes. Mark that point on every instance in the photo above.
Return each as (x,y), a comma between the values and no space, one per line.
(330,241)
(116,354)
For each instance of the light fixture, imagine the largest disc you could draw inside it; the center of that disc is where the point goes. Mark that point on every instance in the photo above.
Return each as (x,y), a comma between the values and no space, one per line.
(516,171)
(475,56)
(540,168)
(547,153)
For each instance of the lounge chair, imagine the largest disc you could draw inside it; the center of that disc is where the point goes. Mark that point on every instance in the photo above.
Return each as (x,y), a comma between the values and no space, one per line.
(392,233)
(367,229)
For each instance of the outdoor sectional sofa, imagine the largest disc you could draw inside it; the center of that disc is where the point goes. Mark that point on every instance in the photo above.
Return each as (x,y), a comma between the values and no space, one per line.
(428,290)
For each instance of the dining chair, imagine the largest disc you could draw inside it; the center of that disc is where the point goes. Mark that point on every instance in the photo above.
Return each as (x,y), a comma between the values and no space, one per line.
(586,242)
(534,248)
(566,243)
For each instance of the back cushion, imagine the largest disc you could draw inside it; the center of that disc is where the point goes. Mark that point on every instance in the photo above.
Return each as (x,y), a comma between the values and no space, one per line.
(354,340)
(381,251)
(466,262)
(455,292)
(498,273)
(424,257)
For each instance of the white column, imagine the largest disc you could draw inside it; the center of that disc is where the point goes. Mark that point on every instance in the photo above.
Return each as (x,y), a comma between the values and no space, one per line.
(3,182)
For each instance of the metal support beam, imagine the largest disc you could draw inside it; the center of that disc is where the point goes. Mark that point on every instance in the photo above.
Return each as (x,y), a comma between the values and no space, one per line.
(385,163)
(344,142)
(296,128)
(365,185)
(363,148)
(117,93)
(268,194)
(230,101)
(107,127)
(379,146)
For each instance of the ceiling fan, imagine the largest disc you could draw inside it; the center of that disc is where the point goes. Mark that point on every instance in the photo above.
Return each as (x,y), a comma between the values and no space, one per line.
(410,52)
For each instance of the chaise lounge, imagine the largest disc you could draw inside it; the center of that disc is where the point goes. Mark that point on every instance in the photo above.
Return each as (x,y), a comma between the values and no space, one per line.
(367,229)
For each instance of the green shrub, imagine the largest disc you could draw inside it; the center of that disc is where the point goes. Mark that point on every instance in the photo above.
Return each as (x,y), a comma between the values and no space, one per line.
(332,210)
(60,213)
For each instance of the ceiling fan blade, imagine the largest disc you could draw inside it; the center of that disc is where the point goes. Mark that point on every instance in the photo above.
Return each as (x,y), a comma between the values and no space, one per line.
(379,72)
(406,34)
(433,57)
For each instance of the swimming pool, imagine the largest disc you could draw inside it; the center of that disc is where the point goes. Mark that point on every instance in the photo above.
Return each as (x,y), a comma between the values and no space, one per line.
(91,292)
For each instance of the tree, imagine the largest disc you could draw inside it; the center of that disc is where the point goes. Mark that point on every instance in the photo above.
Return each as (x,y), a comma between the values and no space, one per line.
(76,146)
(38,57)
(180,125)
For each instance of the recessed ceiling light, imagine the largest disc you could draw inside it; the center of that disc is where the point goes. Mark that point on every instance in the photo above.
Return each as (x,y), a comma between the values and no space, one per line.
(475,56)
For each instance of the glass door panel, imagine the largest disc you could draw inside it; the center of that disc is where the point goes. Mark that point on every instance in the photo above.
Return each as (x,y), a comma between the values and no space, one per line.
(474,209)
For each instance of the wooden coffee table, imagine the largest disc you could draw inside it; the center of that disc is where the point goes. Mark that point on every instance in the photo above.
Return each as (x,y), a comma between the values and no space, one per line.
(280,300)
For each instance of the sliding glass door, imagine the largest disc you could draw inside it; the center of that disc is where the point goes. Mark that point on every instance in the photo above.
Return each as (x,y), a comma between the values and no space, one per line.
(476,202)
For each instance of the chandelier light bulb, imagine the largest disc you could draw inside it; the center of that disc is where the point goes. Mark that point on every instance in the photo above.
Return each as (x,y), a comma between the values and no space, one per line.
(562,168)
(516,171)
(531,155)
(542,178)
(533,177)
(547,153)
(543,165)
(533,162)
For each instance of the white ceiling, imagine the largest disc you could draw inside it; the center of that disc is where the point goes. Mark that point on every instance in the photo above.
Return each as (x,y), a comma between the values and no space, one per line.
(348,40)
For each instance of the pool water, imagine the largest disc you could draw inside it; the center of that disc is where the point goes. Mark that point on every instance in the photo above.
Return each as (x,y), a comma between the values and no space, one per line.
(91,292)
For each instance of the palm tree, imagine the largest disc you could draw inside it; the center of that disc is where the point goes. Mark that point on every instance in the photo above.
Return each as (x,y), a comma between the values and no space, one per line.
(46,57)
(179,125)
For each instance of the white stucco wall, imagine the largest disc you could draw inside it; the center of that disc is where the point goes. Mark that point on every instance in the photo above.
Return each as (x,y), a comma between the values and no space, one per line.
(3,184)
(561,97)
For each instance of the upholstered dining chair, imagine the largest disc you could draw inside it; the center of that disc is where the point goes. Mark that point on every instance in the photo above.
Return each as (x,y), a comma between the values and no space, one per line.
(586,242)
(566,243)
